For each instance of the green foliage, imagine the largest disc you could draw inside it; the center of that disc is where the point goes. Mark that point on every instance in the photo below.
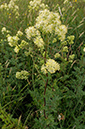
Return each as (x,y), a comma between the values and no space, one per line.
(9,122)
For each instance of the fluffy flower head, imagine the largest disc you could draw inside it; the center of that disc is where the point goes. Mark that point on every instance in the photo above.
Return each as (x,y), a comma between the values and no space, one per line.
(22,75)
(51,65)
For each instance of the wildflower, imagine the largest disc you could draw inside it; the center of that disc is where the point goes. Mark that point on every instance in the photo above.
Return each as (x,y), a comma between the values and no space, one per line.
(3,30)
(43,69)
(47,21)
(11,7)
(39,42)
(66,1)
(22,75)
(60,117)
(19,33)
(52,66)
(13,41)
(63,28)
(74,0)
(3,6)
(31,32)
(16,49)
(70,39)
(36,5)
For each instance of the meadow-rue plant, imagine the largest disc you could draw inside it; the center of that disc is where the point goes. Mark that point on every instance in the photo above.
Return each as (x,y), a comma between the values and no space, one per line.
(49,48)
(42,51)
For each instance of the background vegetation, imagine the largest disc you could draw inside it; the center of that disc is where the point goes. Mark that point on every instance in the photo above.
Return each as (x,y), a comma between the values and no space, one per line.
(21,101)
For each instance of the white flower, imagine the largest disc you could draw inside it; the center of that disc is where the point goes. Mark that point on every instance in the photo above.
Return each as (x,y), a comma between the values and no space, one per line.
(59,117)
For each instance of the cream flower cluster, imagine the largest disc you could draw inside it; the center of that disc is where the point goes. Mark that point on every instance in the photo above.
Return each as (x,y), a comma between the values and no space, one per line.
(51,65)
(70,39)
(12,40)
(34,34)
(22,75)
(4,30)
(11,7)
(16,49)
(19,33)
(49,22)
(39,42)
(36,5)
